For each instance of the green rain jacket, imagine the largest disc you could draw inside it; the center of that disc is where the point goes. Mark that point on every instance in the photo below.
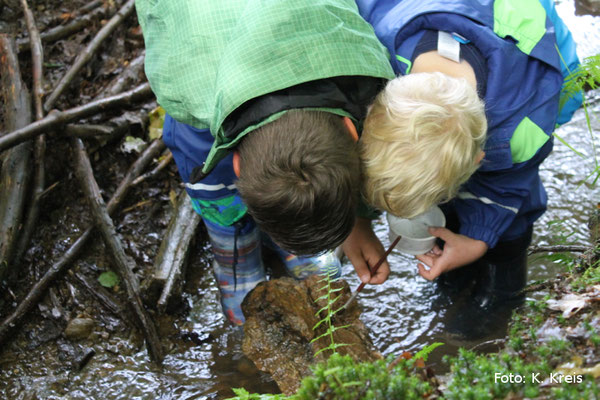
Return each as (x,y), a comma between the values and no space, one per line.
(205,58)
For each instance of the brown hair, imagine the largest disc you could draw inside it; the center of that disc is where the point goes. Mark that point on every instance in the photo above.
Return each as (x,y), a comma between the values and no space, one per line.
(300,180)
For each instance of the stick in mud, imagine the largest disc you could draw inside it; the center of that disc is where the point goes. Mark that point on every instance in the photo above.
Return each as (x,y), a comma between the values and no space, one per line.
(112,130)
(61,31)
(37,186)
(557,249)
(102,296)
(39,288)
(167,157)
(87,54)
(130,76)
(16,171)
(56,119)
(105,225)
(174,248)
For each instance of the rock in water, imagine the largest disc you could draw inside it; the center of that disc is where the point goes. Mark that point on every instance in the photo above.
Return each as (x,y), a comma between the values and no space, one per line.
(280,316)
(79,328)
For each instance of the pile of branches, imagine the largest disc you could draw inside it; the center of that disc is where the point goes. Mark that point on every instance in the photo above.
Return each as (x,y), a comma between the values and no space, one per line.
(34,113)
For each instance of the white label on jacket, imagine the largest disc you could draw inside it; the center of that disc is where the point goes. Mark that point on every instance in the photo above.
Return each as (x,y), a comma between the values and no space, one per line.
(448,47)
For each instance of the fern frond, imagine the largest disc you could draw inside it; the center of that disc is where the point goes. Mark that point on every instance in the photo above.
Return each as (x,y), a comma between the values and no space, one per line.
(424,353)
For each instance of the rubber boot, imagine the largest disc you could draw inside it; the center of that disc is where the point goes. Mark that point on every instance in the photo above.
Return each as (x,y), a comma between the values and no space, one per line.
(453,284)
(301,267)
(497,291)
(237,263)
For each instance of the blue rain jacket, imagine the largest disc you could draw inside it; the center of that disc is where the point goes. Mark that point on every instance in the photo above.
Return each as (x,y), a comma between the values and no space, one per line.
(519,40)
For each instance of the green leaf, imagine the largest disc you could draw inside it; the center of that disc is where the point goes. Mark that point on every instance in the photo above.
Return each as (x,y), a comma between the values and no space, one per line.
(157,120)
(424,353)
(133,144)
(567,144)
(108,279)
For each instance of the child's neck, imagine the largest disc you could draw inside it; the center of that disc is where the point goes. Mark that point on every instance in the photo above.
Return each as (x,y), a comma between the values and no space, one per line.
(431,61)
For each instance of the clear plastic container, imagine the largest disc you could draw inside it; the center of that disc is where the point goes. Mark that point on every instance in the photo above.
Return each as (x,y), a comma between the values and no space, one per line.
(415,236)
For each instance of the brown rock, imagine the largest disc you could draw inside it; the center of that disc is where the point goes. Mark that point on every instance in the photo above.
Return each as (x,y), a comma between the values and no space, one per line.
(79,328)
(280,317)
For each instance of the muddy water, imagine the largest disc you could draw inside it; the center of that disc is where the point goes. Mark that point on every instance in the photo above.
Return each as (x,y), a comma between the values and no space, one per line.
(403,314)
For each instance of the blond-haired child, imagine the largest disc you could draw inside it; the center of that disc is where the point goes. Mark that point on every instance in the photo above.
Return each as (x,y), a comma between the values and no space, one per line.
(468,123)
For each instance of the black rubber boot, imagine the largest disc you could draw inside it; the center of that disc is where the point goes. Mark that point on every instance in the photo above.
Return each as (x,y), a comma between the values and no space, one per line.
(453,285)
(497,291)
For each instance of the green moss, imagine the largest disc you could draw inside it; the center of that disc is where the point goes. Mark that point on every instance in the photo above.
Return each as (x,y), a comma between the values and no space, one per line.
(342,378)
(493,376)
(590,277)
(588,389)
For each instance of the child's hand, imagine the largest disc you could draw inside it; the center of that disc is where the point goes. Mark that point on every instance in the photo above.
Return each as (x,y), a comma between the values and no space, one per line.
(363,248)
(458,250)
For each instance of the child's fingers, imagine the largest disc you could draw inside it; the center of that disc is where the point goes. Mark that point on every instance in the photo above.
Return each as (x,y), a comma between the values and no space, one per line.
(363,272)
(426,258)
(429,274)
(424,272)
(381,274)
(441,232)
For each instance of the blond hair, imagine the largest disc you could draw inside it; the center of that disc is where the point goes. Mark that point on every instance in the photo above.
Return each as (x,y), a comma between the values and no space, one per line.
(421,140)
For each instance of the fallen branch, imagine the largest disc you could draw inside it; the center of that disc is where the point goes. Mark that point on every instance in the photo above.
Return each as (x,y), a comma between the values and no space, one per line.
(15,172)
(166,160)
(38,290)
(169,263)
(88,7)
(104,298)
(89,52)
(112,130)
(37,58)
(557,249)
(130,76)
(57,119)
(104,223)
(88,131)
(39,181)
(499,343)
(537,286)
(61,31)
